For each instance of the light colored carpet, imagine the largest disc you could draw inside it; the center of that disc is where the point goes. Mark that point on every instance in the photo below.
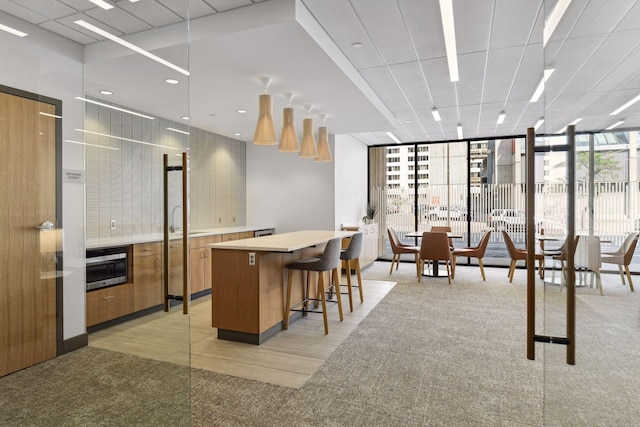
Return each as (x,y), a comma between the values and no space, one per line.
(428,354)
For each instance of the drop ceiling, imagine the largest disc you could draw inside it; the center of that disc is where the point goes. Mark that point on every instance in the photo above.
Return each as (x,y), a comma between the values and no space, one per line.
(390,83)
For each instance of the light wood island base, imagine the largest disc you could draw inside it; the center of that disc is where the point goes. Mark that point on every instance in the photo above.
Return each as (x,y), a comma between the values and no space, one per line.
(249,279)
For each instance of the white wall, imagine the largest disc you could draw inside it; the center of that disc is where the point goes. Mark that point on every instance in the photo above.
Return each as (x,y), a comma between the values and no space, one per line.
(288,192)
(351,163)
(292,194)
(51,66)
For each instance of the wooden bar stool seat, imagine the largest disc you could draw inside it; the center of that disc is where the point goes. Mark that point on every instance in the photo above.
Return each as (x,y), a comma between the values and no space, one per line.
(329,261)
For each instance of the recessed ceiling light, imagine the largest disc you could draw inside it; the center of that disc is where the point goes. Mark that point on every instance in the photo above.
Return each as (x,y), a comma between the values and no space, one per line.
(241,111)
(103,4)
(106,92)
(540,88)
(50,115)
(459,129)
(615,125)
(554,19)
(436,115)
(186,118)
(448,27)
(12,31)
(171,81)
(393,137)
(179,131)
(539,123)
(407,121)
(356,45)
(501,117)
(125,139)
(627,105)
(237,134)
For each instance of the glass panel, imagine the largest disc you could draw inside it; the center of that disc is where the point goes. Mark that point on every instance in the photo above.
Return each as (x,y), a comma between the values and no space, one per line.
(590,82)
(127,135)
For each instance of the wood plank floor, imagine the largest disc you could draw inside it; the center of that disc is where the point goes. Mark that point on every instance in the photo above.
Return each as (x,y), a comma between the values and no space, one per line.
(288,359)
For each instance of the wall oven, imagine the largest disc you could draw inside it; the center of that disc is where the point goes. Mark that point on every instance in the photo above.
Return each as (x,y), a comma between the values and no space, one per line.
(106,267)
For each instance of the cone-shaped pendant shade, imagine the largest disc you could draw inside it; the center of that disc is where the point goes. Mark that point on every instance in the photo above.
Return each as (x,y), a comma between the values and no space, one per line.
(309,149)
(266,129)
(289,138)
(324,151)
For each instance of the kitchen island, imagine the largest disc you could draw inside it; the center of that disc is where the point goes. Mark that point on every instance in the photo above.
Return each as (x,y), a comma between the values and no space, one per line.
(249,278)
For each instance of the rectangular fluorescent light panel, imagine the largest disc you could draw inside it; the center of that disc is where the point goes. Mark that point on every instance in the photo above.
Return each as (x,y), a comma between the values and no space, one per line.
(179,131)
(42,113)
(125,139)
(12,31)
(615,125)
(448,27)
(131,46)
(393,137)
(113,107)
(540,88)
(501,118)
(554,19)
(436,115)
(627,105)
(92,145)
(538,123)
(103,4)
(459,129)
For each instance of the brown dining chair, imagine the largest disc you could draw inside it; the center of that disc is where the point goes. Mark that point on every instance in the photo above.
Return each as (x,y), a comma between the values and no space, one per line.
(443,228)
(562,257)
(517,254)
(622,257)
(473,252)
(398,248)
(434,247)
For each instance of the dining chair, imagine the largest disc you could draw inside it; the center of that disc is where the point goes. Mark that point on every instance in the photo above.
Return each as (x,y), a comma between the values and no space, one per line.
(398,248)
(562,258)
(622,256)
(517,254)
(434,247)
(352,254)
(443,228)
(472,252)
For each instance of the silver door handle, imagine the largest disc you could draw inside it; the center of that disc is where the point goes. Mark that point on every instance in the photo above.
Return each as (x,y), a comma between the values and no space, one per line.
(47,225)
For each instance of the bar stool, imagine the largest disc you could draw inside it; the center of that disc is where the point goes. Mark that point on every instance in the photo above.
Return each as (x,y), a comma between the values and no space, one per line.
(330,261)
(352,253)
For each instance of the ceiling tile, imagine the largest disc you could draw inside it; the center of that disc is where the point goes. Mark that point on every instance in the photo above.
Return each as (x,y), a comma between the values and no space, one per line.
(22,12)
(151,12)
(119,19)
(223,5)
(66,31)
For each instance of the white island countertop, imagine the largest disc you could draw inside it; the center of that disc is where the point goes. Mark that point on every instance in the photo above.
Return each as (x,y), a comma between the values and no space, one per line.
(285,242)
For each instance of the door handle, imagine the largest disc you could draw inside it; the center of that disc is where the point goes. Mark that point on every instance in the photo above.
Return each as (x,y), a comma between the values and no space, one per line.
(47,225)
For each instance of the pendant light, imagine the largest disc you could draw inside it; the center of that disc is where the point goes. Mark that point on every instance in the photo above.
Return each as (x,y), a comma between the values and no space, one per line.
(265,130)
(289,137)
(309,149)
(324,151)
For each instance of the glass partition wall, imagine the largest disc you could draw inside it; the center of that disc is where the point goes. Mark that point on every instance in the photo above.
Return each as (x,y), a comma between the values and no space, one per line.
(129,146)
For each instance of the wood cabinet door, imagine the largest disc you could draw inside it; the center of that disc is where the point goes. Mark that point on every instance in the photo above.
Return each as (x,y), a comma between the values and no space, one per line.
(147,281)
(28,263)
(197,270)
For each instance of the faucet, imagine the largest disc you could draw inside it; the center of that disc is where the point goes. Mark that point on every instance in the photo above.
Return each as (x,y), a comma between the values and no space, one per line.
(173,228)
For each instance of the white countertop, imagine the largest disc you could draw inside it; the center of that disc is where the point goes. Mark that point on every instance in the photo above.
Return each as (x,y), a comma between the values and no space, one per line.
(285,242)
(158,237)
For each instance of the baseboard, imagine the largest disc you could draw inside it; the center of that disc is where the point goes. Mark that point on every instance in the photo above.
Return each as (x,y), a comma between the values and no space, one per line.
(75,343)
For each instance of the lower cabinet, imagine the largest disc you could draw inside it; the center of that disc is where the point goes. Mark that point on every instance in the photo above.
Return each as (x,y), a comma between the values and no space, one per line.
(109,303)
(200,257)
(369,242)
(145,289)
(147,275)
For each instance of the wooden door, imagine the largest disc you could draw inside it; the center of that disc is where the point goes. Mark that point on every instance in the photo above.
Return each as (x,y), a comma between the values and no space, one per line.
(27,255)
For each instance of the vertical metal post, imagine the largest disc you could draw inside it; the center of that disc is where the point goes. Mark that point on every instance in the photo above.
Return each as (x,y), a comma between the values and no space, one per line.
(530,208)
(571,212)
(165,242)
(592,185)
(186,297)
